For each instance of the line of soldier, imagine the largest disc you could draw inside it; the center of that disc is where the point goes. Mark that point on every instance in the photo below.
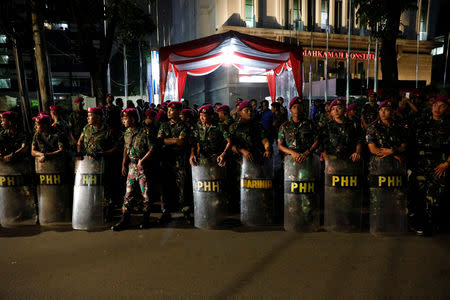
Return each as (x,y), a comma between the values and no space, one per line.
(160,148)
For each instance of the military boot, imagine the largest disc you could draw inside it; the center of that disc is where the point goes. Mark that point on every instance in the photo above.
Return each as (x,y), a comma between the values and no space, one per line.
(187,215)
(123,223)
(145,221)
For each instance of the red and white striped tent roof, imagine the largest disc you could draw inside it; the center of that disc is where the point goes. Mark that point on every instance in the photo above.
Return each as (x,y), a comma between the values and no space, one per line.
(203,56)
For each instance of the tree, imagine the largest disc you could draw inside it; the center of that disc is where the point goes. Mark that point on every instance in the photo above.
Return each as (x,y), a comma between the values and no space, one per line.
(385,15)
(125,22)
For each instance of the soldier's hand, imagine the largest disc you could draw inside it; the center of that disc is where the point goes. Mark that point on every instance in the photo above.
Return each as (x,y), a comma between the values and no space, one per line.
(267,154)
(193,160)
(296,157)
(441,169)
(303,157)
(355,156)
(248,156)
(7,158)
(383,152)
(41,159)
(124,171)
(400,158)
(221,161)
(140,164)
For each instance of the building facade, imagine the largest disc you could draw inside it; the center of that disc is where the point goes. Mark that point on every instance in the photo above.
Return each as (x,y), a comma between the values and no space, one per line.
(305,22)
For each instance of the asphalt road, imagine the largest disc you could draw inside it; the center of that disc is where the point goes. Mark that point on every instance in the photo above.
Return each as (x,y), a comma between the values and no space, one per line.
(190,263)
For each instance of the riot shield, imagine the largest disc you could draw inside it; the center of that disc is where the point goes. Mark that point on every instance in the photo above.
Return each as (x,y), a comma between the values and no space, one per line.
(387,183)
(257,201)
(54,191)
(301,194)
(343,194)
(208,184)
(16,194)
(88,194)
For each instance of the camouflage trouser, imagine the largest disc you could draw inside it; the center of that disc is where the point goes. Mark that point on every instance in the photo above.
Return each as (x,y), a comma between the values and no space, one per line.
(433,193)
(175,170)
(136,176)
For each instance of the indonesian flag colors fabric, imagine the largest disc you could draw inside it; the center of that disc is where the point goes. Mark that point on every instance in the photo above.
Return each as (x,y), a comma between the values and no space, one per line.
(203,56)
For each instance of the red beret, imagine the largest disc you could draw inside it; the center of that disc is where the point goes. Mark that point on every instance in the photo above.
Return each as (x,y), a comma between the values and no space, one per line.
(55,107)
(130,112)
(206,109)
(79,99)
(351,107)
(95,110)
(186,111)
(337,102)
(42,118)
(443,98)
(44,112)
(385,103)
(161,116)
(295,100)
(175,104)
(243,105)
(223,108)
(9,115)
(150,113)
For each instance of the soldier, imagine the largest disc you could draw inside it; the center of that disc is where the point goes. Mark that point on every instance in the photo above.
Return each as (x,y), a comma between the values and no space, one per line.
(339,136)
(137,151)
(212,142)
(13,142)
(431,174)
(297,137)
(173,135)
(325,116)
(150,124)
(77,120)
(112,116)
(350,113)
(385,137)
(369,113)
(235,113)
(283,110)
(47,142)
(60,125)
(248,136)
(225,120)
(97,141)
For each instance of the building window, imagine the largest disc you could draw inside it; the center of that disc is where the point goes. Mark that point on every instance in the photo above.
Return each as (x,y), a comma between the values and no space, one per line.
(321,68)
(2,39)
(337,14)
(249,13)
(4,59)
(324,14)
(297,9)
(423,20)
(5,83)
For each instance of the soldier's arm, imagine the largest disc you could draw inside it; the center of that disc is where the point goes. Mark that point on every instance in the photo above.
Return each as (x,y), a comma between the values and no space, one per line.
(124,161)
(80,143)
(59,151)
(35,152)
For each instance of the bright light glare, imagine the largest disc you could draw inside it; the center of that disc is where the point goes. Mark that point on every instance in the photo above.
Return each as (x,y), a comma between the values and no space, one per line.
(228,55)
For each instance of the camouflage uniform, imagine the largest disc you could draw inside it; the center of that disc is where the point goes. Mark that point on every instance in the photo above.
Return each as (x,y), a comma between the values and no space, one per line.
(249,136)
(298,137)
(62,128)
(96,140)
(369,112)
(77,121)
(174,159)
(433,148)
(340,139)
(211,139)
(226,124)
(47,143)
(11,142)
(137,143)
(386,137)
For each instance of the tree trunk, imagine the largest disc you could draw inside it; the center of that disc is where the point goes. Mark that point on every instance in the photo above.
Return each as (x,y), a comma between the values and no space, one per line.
(23,87)
(388,52)
(40,53)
